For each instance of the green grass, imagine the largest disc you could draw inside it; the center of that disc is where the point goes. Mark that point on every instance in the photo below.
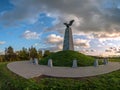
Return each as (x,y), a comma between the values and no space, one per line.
(10,81)
(65,58)
(114,60)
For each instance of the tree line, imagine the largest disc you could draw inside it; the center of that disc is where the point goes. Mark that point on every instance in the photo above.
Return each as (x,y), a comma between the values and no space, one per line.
(23,54)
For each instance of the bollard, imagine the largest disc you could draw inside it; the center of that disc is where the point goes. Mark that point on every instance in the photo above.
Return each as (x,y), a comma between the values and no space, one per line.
(36,61)
(105,61)
(74,64)
(50,64)
(96,63)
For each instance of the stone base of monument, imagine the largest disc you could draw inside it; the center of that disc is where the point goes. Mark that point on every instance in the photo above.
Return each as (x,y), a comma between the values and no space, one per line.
(74,64)
(96,63)
(50,64)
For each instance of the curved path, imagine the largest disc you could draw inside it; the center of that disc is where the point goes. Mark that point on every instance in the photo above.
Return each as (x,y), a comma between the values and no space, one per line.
(29,70)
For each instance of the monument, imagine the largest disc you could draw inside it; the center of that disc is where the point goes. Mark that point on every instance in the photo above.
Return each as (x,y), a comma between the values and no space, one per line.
(68,38)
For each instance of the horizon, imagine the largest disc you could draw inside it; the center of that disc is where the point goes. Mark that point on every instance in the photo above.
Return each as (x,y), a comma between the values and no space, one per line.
(39,23)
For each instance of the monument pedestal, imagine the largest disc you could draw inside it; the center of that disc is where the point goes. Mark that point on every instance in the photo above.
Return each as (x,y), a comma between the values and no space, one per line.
(68,40)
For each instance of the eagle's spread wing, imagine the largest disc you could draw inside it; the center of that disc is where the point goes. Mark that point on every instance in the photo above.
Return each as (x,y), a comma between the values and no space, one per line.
(71,22)
(66,24)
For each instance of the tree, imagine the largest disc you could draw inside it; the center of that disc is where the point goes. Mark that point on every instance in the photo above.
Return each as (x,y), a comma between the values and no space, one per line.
(33,53)
(46,53)
(9,54)
(39,54)
(23,54)
(1,58)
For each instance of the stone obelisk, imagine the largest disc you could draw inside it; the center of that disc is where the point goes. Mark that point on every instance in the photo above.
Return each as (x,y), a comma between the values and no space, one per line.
(68,38)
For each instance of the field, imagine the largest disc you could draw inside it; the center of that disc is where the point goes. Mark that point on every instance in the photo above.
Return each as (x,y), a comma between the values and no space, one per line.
(11,81)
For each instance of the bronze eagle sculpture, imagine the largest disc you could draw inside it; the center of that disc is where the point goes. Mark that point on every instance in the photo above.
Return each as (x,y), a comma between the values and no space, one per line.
(69,24)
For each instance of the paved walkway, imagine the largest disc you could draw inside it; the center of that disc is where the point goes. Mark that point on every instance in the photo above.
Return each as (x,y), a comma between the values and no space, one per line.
(29,70)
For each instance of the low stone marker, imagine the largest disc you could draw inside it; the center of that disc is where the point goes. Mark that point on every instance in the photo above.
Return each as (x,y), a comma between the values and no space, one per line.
(50,64)
(105,61)
(96,63)
(36,61)
(74,64)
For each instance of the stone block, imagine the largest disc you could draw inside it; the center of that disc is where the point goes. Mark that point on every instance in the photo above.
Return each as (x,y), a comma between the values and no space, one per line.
(36,61)
(50,64)
(96,63)
(105,61)
(74,64)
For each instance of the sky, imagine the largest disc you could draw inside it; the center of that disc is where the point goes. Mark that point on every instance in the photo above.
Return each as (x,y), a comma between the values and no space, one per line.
(39,23)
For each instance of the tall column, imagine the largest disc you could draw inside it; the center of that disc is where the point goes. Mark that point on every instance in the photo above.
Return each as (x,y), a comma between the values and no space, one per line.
(68,40)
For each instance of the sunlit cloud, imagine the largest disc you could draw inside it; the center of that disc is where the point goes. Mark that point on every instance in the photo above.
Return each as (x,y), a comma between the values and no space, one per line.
(30,35)
(53,38)
(54,42)
(82,43)
(2,42)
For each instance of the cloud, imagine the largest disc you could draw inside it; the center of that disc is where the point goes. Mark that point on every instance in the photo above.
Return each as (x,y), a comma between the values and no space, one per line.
(30,35)
(54,48)
(54,42)
(82,43)
(57,42)
(92,15)
(104,38)
(118,51)
(92,50)
(21,13)
(89,15)
(54,39)
(113,49)
(2,42)
(106,35)
(2,53)
(108,50)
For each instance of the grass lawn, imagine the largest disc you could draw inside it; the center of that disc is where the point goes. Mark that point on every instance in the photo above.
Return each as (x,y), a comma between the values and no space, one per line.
(10,81)
(115,60)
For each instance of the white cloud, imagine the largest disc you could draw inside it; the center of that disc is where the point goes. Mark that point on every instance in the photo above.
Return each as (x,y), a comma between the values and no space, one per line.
(106,38)
(2,52)
(2,42)
(30,35)
(82,43)
(55,42)
(54,39)
(107,35)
